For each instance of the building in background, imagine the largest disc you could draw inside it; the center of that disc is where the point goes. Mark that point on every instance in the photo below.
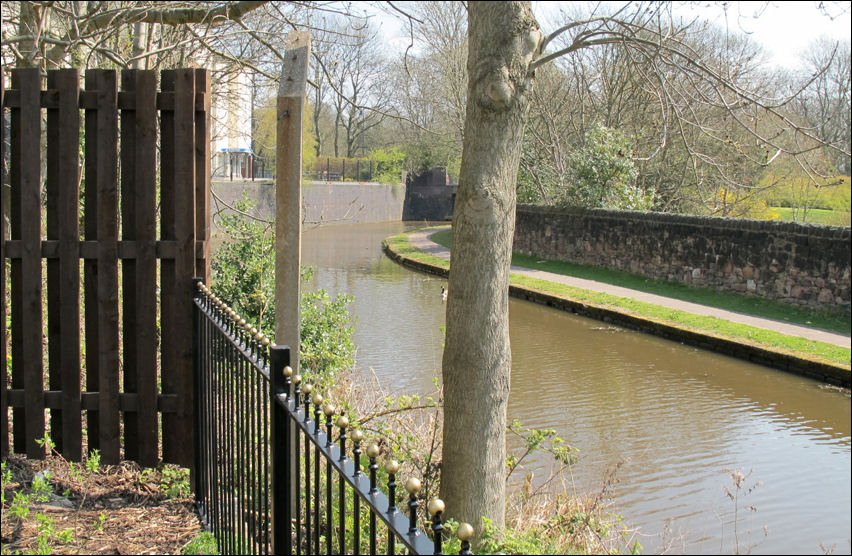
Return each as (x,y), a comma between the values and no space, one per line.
(232,126)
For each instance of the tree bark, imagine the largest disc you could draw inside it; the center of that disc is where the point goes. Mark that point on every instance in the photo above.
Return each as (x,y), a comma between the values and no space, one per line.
(504,39)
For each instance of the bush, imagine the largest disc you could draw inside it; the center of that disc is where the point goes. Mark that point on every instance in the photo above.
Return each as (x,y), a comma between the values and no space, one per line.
(244,276)
(388,165)
(603,174)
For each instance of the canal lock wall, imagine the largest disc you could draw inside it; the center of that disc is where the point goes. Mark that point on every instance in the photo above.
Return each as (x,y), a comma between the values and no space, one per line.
(427,196)
(801,264)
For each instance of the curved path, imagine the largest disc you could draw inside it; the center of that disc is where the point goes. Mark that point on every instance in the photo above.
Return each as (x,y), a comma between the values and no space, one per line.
(421,241)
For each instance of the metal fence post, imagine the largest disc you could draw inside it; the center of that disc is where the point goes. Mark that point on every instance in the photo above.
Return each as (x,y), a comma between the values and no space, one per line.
(282,487)
(196,475)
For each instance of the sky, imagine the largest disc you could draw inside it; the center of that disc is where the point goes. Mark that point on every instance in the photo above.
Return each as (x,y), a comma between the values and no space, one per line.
(785,29)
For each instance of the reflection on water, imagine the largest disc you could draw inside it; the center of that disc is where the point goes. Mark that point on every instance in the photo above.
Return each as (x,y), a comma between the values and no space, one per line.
(676,416)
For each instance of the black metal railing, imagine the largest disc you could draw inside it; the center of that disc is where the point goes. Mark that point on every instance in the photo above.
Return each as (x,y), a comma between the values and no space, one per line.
(274,473)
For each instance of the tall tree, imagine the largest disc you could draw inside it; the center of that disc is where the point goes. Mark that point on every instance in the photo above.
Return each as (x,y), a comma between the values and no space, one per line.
(505,47)
(504,39)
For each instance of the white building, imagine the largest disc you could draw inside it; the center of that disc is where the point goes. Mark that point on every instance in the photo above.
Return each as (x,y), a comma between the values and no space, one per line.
(232,125)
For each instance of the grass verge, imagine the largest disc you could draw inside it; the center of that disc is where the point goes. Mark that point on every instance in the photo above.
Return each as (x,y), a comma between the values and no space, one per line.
(791,345)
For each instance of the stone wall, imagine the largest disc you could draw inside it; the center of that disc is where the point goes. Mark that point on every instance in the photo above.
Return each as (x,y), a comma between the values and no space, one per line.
(797,263)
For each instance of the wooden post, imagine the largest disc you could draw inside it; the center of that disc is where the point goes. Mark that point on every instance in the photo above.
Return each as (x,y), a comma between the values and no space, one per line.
(288,196)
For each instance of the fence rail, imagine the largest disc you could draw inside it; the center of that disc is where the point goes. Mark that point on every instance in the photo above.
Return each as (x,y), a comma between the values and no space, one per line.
(108,218)
(275,473)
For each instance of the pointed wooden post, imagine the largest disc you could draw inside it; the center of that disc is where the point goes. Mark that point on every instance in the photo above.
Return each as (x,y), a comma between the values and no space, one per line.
(288,196)
(288,232)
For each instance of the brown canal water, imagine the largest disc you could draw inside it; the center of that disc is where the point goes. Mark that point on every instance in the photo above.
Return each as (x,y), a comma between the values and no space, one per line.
(674,416)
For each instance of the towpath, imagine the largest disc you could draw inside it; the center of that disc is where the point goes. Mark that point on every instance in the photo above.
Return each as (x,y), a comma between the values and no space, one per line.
(421,241)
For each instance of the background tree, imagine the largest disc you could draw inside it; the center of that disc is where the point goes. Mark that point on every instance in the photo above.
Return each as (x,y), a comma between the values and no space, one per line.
(430,88)
(825,102)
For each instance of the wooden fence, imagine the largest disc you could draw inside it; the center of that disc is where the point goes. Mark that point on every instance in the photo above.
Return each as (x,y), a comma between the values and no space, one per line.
(99,357)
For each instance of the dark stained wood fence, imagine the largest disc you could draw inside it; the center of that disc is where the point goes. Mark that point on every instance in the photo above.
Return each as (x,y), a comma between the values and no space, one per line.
(105,346)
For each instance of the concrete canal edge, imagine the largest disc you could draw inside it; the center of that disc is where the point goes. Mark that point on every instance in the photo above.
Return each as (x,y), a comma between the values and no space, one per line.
(819,370)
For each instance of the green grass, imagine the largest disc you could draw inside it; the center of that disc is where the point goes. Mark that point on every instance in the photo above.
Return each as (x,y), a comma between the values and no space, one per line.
(730,301)
(204,543)
(815,216)
(748,334)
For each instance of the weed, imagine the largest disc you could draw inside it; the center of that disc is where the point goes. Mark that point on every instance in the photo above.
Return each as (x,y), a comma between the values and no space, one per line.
(6,475)
(543,440)
(741,490)
(42,489)
(204,543)
(20,507)
(99,524)
(175,481)
(46,442)
(93,463)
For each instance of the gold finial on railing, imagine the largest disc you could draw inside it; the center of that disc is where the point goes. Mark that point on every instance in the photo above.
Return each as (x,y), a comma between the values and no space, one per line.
(412,485)
(391,466)
(435,505)
(373,451)
(465,534)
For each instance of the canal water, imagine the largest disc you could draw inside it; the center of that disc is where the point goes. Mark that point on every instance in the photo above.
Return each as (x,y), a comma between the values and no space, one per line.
(674,417)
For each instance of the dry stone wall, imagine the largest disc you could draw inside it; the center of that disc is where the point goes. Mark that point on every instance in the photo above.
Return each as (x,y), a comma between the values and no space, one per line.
(796,263)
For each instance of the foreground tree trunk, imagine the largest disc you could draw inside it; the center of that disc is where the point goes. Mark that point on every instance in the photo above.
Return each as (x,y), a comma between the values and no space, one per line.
(504,39)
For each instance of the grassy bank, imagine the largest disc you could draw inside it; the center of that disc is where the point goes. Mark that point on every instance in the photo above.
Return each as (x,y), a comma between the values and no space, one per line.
(815,216)
(730,301)
(798,347)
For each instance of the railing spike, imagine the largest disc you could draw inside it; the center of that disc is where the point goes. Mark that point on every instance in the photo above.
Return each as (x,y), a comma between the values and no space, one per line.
(465,533)
(412,486)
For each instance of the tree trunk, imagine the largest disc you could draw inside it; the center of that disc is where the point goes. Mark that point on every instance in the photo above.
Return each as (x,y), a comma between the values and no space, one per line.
(504,39)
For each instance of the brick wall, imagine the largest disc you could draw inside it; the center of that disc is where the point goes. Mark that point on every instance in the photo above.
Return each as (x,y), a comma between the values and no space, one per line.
(796,263)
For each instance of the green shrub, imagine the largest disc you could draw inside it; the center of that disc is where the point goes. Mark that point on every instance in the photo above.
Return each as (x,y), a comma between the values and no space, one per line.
(244,276)
(388,165)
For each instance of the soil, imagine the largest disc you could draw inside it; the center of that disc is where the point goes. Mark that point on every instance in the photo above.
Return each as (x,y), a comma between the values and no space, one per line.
(116,509)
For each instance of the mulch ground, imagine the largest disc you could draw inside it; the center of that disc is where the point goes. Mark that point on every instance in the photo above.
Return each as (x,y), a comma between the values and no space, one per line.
(117,509)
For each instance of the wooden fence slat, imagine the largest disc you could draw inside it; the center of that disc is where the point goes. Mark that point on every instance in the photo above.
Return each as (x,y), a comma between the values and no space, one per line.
(26,179)
(54,321)
(90,266)
(202,173)
(146,253)
(168,336)
(129,266)
(69,261)
(19,435)
(139,135)
(178,174)
(63,132)
(4,406)
(106,143)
